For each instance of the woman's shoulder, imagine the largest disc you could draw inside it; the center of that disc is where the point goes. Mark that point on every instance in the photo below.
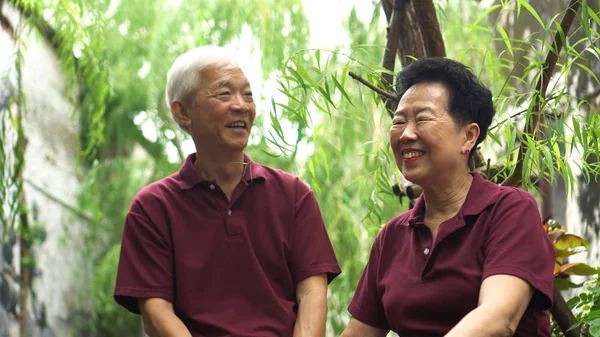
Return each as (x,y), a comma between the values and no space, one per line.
(511,194)
(394,227)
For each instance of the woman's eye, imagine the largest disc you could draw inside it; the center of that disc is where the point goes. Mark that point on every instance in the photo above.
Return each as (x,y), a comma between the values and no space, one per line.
(224,93)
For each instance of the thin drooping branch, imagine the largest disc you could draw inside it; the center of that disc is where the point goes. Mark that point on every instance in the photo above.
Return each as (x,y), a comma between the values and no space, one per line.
(560,311)
(541,87)
(384,94)
(42,26)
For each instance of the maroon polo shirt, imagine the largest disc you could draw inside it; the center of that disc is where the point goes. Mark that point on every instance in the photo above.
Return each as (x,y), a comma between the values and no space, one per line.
(230,268)
(417,287)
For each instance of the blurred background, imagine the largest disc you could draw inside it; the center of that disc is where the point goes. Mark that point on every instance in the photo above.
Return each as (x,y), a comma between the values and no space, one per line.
(84,126)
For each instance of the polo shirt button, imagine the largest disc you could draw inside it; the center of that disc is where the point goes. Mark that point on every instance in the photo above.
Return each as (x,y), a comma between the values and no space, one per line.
(426,251)
(212,187)
(229,212)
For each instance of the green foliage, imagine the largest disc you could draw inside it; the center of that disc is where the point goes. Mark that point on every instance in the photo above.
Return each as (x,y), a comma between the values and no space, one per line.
(341,130)
(111,320)
(12,144)
(346,124)
(322,125)
(587,307)
(513,71)
(115,55)
(567,245)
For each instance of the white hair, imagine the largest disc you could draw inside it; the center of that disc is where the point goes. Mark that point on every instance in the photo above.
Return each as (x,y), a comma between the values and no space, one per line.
(183,78)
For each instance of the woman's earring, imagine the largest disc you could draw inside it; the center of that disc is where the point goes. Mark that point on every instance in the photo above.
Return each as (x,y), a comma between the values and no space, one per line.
(467,151)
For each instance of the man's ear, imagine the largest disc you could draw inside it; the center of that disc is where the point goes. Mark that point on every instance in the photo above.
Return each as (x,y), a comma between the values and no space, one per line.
(181,113)
(471,134)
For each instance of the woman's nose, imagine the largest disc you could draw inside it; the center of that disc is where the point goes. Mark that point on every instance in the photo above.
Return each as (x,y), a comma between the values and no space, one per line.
(408,133)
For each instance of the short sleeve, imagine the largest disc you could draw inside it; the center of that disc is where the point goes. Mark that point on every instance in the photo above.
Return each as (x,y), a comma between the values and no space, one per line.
(311,251)
(145,264)
(517,245)
(366,305)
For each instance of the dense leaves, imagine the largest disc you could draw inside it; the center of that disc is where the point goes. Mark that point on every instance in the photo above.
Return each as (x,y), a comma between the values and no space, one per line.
(317,122)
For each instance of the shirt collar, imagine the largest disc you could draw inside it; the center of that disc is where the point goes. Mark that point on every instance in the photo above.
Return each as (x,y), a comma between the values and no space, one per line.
(189,177)
(482,193)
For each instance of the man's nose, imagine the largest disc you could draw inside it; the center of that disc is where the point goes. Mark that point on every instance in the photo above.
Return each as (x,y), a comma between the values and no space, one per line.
(239,103)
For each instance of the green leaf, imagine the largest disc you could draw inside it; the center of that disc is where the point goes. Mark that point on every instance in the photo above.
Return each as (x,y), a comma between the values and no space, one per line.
(565,284)
(532,11)
(341,89)
(578,268)
(486,13)
(589,71)
(593,15)
(595,327)
(585,20)
(506,39)
(570,241)
(569,252)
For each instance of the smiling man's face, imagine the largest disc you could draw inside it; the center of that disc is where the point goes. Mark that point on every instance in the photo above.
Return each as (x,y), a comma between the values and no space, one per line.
(224,109)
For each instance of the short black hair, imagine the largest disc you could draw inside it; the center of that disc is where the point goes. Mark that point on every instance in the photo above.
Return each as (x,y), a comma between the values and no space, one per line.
(469,100)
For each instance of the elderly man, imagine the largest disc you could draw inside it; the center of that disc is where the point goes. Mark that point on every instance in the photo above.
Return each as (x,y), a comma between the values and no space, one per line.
(225,246)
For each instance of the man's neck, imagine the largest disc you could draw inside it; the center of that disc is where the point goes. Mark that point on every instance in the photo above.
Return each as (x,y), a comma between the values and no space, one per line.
(226,168)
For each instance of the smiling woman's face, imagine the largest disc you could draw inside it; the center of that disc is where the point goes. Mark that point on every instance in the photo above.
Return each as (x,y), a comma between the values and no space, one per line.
(426,141)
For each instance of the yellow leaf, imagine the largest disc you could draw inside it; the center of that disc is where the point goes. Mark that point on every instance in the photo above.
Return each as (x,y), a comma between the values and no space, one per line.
(570,241)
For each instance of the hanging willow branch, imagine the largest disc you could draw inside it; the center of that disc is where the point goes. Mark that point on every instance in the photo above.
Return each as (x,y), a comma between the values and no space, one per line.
(542,85)
(384,94)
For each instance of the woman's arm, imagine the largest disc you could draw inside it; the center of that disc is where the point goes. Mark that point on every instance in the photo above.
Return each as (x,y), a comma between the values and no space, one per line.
(502,301)
(160,319)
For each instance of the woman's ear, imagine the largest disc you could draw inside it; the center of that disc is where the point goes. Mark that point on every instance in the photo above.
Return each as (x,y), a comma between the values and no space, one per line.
(471,134)
(181,113)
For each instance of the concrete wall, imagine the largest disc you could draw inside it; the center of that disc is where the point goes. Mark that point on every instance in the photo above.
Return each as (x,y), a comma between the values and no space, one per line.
(49,176)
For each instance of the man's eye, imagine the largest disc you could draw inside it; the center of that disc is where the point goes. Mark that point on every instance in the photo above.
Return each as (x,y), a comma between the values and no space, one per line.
(399,122)
(224,93)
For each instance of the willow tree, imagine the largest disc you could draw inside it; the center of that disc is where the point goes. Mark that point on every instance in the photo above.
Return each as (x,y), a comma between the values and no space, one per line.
(543,130)
(115,55)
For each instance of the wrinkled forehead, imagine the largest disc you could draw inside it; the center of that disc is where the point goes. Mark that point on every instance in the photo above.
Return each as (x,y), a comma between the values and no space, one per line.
(215,76)
(424,96)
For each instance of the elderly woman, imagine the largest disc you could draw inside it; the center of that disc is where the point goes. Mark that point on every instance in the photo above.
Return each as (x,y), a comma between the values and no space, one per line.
(471,258)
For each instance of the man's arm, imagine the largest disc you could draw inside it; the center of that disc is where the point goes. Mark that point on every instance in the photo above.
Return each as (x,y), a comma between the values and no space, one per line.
(311,294)
(357,328)
(503,300)
(160,319)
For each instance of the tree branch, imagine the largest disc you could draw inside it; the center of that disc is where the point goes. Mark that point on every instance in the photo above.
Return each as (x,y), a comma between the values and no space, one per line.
(541,87)
(560,311)
(429,27)
(5,23)
(391,48)
(384,94)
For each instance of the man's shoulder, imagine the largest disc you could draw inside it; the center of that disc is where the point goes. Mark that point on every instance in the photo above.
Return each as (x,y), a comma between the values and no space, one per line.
(273,172)
(278,176)
(159,189)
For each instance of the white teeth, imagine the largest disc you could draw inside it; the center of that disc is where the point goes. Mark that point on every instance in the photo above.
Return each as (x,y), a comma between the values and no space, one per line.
(413,154)
(237,125)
